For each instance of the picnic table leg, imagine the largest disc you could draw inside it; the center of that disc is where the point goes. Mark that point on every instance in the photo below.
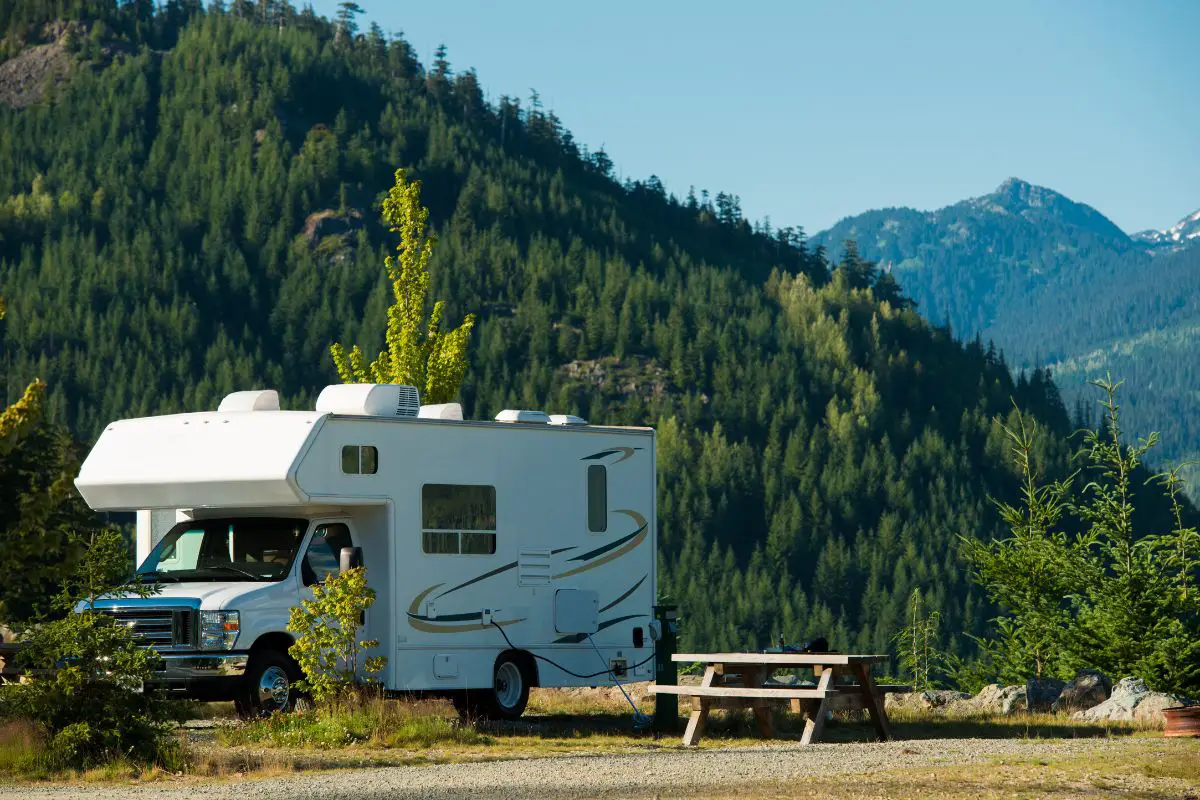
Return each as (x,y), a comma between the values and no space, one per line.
(754,677)
(873,702)
(814,726)
(695,726)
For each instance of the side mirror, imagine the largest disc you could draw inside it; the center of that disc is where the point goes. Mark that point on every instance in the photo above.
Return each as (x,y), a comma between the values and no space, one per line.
(349,558)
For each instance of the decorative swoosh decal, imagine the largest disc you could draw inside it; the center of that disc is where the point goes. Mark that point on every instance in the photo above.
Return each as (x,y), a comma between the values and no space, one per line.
(626,453)
(478,578)
(623,545)
(576,638)
(428,625)
(630,591)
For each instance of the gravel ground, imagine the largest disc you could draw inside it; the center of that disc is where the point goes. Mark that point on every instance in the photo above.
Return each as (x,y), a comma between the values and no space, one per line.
(645,775)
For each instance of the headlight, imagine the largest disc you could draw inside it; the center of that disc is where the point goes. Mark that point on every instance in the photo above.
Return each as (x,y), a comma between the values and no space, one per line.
(219,629)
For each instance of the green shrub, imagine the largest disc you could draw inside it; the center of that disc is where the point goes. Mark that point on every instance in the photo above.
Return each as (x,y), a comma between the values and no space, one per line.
(86,677)
(327,646)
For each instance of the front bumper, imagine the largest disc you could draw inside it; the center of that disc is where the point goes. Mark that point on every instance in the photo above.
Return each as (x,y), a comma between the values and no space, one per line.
(207,676)
(190,667)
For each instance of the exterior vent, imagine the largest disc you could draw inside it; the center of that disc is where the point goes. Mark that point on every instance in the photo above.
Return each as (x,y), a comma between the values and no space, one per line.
(441,411)
(567,419)
(370,400)
(255,400)
(529,417)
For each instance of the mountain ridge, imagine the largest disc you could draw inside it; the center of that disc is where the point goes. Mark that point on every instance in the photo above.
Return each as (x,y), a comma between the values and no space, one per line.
(1053,282)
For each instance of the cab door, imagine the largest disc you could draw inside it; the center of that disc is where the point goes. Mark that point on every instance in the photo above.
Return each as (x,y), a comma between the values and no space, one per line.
(322,556)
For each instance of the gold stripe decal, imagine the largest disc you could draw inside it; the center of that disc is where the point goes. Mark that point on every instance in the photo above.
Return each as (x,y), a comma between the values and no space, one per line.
(418,622)
(613,556)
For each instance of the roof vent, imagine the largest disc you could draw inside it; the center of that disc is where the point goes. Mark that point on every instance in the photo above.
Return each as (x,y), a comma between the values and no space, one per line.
(567,419)
(370,400)
(441,411)
(254,400)
(515,415)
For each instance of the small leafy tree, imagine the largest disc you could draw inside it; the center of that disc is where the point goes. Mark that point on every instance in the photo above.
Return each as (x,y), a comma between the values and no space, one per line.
(916,643)
(87,675)
(327,646)
(417,351)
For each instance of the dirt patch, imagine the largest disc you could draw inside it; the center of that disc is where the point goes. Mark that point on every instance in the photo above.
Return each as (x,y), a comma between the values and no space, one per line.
(24,78)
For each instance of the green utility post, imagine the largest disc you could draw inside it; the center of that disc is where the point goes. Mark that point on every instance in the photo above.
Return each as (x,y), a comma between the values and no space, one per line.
(666,706)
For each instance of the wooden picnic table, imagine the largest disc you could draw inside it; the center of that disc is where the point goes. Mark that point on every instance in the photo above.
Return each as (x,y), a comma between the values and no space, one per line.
(720,689)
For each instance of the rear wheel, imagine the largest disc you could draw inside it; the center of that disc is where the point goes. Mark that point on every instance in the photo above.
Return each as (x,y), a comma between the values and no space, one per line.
(269,685)
(509,693)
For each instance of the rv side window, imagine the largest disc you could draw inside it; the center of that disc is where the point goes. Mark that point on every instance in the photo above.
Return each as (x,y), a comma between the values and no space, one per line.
(597,490)
(458,519)
(360,459)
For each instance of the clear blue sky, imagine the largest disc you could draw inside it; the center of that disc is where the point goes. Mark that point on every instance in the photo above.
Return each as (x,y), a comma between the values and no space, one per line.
(812,112)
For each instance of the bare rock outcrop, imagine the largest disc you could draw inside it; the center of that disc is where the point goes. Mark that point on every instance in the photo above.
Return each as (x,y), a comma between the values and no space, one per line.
(1089,688)
(1132,701)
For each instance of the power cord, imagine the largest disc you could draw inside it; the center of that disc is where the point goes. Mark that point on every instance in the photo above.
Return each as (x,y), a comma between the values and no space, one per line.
(556,665)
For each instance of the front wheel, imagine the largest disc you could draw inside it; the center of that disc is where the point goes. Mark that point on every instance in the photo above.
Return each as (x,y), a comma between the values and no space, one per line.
(269,685)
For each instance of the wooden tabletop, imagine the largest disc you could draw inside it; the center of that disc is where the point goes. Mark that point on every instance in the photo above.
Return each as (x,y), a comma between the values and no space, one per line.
(781,659)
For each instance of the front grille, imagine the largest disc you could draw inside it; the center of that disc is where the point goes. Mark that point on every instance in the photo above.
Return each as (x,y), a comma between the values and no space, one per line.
(160,628)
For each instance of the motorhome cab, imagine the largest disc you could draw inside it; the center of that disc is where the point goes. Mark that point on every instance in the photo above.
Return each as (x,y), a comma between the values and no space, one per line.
(504,554)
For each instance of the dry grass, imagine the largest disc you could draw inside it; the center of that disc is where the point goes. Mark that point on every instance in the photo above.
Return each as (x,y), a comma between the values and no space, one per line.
(359,721)
(22,746)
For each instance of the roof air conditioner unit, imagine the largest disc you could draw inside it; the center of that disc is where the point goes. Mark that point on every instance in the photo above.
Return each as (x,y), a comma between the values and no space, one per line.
(516,415)
(441,411)
(370,400)
(254,400)
(567,419)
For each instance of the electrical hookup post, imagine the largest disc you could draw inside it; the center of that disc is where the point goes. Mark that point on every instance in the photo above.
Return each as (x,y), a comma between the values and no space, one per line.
(666,628)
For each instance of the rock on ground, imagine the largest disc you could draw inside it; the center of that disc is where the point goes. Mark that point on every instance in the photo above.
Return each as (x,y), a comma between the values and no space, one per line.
(1040,693)
(1089,688)
(991,699)
(924,701)
(1132,701)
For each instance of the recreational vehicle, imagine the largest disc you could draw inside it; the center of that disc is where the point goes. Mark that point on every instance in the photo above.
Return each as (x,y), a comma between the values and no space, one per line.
(504,554)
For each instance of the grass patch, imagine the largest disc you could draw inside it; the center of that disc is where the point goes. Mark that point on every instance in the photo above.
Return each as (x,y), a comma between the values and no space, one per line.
(22,748)
(351,721)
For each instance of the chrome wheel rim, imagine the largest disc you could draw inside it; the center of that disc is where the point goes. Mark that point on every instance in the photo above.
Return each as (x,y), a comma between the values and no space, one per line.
(508,685)
(273,689)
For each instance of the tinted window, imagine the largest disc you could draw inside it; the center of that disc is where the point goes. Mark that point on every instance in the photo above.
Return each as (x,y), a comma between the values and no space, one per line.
(458,519)
(324,554)
(597,491)
(449,507)
(360,459)
(350,459)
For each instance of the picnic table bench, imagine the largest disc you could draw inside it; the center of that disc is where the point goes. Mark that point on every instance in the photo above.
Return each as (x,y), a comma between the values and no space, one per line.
(720,689)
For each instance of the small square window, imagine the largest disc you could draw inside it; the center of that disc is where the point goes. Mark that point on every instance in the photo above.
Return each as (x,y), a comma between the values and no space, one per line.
(360,459)
(350,459)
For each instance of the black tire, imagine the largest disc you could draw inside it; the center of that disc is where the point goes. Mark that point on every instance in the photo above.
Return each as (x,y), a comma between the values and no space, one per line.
(509,693)
(269,685)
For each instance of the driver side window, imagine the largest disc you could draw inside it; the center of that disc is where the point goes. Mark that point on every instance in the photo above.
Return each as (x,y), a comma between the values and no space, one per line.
(323,556)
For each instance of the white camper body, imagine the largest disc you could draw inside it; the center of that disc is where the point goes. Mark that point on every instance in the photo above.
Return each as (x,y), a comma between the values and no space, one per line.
(487,543)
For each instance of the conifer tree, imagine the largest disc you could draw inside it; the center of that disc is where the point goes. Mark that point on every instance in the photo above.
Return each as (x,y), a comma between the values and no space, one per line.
(417,351)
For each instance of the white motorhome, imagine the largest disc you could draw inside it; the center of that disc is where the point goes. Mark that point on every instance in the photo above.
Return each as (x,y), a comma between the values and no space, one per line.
(504,554)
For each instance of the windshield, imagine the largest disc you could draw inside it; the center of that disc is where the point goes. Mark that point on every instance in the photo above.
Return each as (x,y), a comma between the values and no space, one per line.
(227,549)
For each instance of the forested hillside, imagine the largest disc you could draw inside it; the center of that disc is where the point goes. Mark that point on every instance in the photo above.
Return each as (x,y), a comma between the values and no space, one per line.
(1056,284)
(192,210)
